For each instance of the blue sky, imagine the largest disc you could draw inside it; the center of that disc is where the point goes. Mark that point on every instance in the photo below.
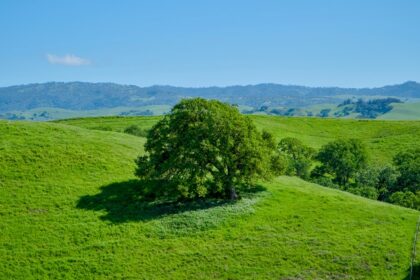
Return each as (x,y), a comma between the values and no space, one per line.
(201,43)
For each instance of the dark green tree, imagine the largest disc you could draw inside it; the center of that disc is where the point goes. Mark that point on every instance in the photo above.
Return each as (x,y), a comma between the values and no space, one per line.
(298,155)
(408,164)
(342,159)
(387,181)
(205,148)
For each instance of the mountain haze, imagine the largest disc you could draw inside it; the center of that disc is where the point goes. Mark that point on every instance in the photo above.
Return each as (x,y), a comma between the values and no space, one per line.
(91,96)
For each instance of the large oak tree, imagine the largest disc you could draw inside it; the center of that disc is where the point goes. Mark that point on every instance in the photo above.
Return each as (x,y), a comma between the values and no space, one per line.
(205,148)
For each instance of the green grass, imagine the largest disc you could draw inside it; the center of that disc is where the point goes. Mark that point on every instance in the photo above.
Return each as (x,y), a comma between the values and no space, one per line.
(403,111)
(69,209)
(382,138)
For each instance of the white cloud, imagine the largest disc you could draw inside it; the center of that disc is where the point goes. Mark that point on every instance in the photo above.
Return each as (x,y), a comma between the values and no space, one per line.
(68,59)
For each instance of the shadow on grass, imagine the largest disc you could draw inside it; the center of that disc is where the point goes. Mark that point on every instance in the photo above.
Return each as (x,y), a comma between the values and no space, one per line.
(416,273)
(123,202)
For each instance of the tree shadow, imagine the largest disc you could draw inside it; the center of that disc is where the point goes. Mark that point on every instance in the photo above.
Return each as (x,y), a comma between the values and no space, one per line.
(416,273)
(124,202)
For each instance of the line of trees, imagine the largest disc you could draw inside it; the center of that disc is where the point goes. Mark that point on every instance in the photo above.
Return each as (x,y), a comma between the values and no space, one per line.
(206,148)
(369,109)
(343,164)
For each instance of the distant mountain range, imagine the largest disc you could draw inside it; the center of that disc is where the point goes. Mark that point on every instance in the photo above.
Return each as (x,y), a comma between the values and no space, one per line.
(82,96)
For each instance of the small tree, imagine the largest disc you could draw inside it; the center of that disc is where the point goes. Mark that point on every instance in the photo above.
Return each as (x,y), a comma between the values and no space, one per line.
(342,159)
(406,199)
(205,148)
(387,180)
(299,156)
(408,164)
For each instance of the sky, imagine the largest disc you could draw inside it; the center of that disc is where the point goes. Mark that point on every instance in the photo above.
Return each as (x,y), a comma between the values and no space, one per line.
(347,43)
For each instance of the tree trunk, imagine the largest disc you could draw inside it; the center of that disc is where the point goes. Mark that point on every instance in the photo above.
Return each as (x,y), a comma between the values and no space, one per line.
(233,194)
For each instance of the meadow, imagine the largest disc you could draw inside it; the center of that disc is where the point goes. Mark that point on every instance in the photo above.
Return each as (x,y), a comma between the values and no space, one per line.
(70,209)
(383,138)
(403,111)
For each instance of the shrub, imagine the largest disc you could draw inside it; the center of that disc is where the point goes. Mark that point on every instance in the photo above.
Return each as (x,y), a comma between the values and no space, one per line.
(406,199)
(365,191)
(326,182)
(136,131)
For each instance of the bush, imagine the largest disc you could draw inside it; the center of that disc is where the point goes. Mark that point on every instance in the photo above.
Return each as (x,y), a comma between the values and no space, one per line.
(326,182)
(365,191)
(405,199)
(136,131)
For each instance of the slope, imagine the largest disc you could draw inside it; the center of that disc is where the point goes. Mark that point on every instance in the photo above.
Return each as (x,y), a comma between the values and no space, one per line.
(383,138)
(403,111)
(69,209)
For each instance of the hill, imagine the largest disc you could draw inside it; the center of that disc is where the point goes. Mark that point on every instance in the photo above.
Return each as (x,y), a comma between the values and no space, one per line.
(403,111)
(383,138)
(69,209)
(76,99)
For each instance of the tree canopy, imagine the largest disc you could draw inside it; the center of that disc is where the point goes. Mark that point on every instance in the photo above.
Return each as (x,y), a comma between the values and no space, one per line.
(408,164)
(342,158)
(205,148)
(298,155)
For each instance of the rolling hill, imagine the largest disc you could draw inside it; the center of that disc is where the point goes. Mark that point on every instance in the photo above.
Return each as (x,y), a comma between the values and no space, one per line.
(57,100)
(69,209)
(383,138)
(403,111)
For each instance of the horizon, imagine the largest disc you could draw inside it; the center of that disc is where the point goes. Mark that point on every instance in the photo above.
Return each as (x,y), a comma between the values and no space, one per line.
(214,86)
(189,44)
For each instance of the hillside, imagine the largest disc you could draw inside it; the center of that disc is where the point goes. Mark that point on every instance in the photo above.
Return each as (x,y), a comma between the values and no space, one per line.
(78,99)
(69,209)
(383,138)
(404,111)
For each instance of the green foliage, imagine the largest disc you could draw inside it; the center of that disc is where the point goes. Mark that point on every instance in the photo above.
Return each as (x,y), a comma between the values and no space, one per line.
(406,199)
(342,159)
(205,148)
(136,131)
(299,156)
(387,180)
(365,191)
(367,177)
(325,181)
(408,164)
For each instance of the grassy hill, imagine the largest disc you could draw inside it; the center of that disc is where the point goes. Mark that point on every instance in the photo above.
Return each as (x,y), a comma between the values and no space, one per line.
(69,209)
(403,111)
(383,138)
(56,100)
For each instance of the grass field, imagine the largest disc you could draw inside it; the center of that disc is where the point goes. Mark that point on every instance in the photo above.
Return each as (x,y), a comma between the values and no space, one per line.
(403,111)
(383,138)
(69,209)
